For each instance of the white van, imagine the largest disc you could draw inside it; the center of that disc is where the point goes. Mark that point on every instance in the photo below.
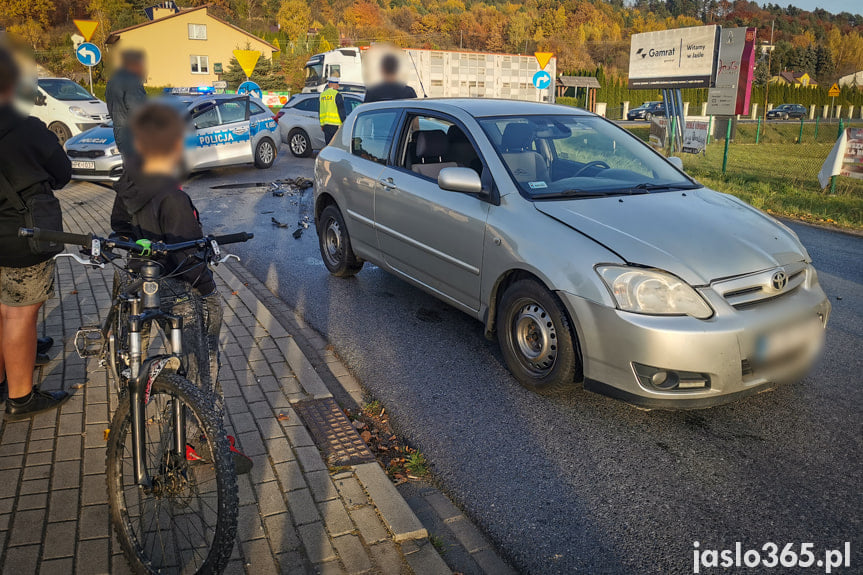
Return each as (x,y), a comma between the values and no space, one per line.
(67,108)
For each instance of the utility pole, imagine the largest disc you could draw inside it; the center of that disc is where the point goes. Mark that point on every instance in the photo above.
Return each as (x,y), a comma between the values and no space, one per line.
(769,61)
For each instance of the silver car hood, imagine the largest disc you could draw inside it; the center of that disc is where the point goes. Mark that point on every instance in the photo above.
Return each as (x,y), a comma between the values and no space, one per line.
(700,237)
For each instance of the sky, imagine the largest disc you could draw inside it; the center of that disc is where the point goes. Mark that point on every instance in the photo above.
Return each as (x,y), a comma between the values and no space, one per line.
(835,6)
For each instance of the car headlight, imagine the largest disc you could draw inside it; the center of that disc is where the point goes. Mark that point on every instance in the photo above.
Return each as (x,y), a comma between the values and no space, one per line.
(79,111)
(112,151)
(653,292)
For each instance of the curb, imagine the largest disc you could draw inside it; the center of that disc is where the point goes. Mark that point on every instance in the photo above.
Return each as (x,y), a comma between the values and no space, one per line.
(395,511)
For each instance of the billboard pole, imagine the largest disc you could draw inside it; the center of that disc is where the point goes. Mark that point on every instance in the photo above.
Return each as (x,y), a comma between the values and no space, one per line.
(767,85)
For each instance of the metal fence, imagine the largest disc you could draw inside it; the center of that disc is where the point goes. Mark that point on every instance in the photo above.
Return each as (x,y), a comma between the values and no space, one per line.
(785,155)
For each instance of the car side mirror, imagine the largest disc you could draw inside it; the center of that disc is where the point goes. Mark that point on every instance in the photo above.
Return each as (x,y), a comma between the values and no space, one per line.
(463,180)
(40,99)
(676,162)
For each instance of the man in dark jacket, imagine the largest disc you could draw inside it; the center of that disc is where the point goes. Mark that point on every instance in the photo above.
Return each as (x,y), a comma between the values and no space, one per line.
(123,94)
(31,162)
(391,88)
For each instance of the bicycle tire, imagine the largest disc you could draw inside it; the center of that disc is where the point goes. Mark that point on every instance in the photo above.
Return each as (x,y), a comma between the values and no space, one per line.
(120,481)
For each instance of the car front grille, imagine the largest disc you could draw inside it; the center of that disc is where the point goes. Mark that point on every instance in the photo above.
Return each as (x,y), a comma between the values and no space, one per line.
(85,153)
(754,289)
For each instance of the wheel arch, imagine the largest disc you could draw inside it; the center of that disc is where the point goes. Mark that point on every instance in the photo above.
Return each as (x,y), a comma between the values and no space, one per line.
(323,200)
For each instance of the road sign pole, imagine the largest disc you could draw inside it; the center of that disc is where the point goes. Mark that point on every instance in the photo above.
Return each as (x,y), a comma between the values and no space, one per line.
(832,184)
(90,71)
(758,131)
(800,137)
(727,138)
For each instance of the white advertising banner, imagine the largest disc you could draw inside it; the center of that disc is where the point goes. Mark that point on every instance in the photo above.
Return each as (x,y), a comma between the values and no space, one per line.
(680,58)
(695,136)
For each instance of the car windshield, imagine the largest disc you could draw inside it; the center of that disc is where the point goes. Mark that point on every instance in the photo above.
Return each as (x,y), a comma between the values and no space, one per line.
(314,73)
(65,90)
(578,156)
(784,107)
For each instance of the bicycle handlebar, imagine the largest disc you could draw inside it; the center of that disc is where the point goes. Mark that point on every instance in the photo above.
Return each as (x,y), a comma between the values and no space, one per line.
(86,240)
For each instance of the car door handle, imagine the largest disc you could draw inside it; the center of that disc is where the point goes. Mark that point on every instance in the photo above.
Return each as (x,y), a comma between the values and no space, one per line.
(387,183)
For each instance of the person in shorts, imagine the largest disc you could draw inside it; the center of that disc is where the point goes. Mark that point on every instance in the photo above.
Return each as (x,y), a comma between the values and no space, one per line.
(31,161)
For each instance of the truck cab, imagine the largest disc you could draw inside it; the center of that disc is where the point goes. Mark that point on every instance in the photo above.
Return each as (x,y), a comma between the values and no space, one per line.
(346,63)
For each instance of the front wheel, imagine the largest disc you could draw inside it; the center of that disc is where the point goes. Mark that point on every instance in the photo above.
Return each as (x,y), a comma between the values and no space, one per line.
(335,244)
(536,339)
(299,143)
(60,130)
(186,520)
(648,116)
(265,153)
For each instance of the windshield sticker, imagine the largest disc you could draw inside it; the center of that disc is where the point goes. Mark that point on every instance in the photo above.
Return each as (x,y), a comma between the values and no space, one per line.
(537,185)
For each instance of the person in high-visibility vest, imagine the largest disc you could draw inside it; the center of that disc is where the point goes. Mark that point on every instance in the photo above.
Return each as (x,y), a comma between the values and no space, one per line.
(332,109)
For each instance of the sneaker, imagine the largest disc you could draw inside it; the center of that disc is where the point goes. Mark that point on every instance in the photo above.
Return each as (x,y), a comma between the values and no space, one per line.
(43,344)
(37,402)
(242,462)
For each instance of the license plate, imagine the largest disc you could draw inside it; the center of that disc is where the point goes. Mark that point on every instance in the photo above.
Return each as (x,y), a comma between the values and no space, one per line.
(78,165)
(792,338)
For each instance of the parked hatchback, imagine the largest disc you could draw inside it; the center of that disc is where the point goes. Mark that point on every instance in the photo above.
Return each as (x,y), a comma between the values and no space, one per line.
(590,256)
(300,125)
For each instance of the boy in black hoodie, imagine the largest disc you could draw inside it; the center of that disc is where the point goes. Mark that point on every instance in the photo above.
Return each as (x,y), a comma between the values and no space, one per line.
(150,204)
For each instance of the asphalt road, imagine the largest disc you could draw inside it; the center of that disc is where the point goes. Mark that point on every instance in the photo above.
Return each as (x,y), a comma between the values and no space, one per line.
(579,483)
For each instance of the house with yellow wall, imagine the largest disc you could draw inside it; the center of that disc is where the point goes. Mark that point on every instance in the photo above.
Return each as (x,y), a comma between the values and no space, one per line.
(797,79)
(186,47)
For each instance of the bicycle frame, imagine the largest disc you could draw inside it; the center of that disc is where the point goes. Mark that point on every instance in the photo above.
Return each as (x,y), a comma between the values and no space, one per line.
(144,309)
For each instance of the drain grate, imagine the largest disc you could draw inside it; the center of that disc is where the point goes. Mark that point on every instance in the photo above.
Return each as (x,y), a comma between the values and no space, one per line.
(333,432)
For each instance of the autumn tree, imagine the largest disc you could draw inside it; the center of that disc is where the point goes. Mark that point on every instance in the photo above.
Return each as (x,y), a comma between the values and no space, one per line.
(27,19)
(295,17)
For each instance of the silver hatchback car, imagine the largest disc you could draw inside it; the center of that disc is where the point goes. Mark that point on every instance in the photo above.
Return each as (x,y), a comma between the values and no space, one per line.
(590,256)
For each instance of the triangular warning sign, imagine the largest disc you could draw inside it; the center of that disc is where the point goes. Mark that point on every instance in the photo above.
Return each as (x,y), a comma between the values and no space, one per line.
(543,58)
(834,90)
(247,60)
(86,28)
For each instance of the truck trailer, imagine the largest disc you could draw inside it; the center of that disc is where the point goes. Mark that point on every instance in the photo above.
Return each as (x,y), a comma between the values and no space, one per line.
(439,73)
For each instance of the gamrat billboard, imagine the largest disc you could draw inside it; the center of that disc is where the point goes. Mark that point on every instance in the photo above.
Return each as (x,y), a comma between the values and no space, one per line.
(681,58)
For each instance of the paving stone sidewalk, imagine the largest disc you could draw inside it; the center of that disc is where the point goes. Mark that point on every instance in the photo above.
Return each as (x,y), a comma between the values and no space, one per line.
(296,514)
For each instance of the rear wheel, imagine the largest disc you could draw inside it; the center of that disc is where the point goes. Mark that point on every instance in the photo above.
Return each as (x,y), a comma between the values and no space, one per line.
(536,339)
(300,144)
(648,116)
(335,244)
(186,521)
(265,153)
(60,130)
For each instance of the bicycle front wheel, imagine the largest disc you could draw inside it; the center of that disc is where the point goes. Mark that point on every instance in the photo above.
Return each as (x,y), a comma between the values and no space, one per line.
(186,522)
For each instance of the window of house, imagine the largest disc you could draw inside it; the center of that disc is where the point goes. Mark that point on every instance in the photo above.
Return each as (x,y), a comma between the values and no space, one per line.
(200,64)
(197,31)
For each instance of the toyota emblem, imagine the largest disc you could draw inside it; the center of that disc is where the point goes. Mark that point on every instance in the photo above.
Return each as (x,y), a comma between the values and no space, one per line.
(779,280)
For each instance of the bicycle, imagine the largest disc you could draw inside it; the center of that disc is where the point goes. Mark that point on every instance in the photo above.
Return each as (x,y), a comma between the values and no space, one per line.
(166,440)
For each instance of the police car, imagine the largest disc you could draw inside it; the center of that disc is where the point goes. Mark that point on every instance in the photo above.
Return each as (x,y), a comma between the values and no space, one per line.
(224,130)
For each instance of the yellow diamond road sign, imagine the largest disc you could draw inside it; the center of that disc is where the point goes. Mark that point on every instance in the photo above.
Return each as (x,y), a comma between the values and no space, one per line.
(543,58)
(86,28)
(247,60)
(834,91)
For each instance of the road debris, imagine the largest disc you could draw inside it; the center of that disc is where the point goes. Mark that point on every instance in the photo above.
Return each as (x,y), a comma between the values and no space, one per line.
(279,224)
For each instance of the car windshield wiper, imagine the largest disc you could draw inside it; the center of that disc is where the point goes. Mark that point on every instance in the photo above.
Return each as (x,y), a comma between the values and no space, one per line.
(656,187)
(578,193)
